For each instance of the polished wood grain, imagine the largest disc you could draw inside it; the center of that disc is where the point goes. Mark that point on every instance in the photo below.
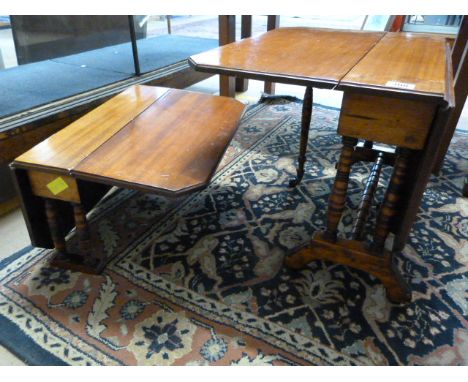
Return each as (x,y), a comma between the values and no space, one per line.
(175,145)
(297,55)
(66,148)
(16,141)
(394,121)
(407,58)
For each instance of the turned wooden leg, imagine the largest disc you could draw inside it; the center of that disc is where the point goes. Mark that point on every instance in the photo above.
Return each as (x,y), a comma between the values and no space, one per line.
(354,253)
(397,290)
(366,199)
(388,209)
(337,199)
(82,230)
(86,259)
(54,225)
(305,126)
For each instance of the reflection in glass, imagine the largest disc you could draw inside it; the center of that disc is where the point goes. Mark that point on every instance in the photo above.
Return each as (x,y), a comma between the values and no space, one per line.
(447,24)
(172,39)
(61,56)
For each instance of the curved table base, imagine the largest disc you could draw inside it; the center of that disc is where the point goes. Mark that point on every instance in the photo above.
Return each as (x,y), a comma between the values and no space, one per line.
(354,254)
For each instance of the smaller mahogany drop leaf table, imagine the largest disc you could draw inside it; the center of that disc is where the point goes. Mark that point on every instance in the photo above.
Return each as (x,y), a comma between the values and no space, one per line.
(151,139)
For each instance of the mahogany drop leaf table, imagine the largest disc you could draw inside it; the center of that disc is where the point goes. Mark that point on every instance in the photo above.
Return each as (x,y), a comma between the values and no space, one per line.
(152,139)
(398,90)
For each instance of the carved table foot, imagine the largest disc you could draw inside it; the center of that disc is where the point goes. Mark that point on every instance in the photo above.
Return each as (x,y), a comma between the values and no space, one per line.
(79,263)
(354,254)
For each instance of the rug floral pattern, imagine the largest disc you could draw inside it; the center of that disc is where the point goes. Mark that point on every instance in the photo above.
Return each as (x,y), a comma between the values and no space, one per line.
(201,280)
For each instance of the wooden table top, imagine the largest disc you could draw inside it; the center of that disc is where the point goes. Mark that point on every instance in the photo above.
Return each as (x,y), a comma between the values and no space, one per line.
(150,138)
(390,62)
(408,61)
(300,55)
(68,147)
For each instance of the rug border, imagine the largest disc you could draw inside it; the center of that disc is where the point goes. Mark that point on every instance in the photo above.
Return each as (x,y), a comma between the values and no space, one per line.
(18,343)
(22,347)
(14,256)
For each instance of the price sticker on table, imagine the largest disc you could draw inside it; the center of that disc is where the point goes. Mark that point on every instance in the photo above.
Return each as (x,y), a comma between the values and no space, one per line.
(401,85)
(57,186)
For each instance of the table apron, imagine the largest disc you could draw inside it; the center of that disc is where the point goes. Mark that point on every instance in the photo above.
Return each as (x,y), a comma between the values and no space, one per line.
(395,121)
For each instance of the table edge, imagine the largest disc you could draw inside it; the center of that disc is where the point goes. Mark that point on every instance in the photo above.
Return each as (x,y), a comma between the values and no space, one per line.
(264,76)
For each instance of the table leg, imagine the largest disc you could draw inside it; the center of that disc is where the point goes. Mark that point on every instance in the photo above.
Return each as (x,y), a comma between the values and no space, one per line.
(388,209)
(305,126)
(227,34)
(337,200)
(242,84)
(355,253)
(54,225)
(86,260)
(273,22)
(336,204)
(366,200)
(82,230)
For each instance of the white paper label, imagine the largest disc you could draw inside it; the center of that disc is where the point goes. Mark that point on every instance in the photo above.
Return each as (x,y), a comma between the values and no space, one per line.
(401,85)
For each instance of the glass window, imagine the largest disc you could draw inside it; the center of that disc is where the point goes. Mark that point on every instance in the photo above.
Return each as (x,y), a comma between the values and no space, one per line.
(320,21)
(169,39)
(372,22)
(48,58)
(448,24)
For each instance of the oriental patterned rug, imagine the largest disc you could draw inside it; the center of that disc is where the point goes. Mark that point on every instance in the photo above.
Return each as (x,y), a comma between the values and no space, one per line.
(201,281)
